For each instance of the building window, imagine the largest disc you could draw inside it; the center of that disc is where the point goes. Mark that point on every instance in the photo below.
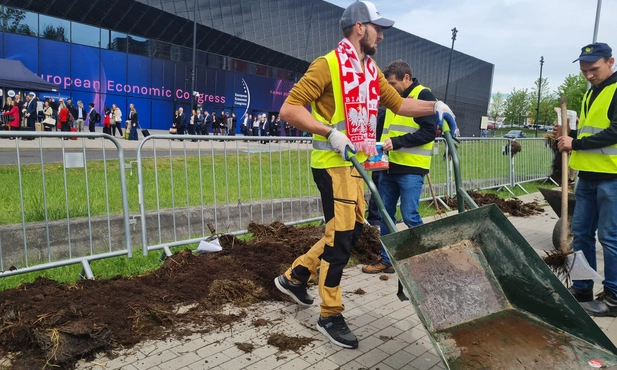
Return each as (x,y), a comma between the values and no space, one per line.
(117,41)
(215,61)
(54,28)
(85,35)
(138,45)
(239,66)
(263,71)
(19,21)
(181,54)
(202,58)
(105,38)
(160,49)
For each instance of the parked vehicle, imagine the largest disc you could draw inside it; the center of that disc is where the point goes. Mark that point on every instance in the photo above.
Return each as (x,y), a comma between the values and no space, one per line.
(515,134)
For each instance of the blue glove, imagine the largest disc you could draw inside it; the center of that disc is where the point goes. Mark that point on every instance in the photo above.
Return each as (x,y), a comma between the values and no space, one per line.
(442,111)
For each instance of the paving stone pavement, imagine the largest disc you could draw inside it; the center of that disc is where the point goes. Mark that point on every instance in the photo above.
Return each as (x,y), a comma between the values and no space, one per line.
(390,333)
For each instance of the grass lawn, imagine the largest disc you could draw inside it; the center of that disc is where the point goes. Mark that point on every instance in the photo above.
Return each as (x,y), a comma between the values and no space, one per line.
(51,191)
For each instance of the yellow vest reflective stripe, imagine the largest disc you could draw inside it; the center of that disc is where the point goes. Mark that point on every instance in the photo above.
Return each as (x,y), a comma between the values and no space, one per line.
(323,156)
(594,119)
(396,125)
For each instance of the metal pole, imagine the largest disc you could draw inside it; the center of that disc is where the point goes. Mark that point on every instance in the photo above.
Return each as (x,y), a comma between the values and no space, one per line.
(595,28)
(539,93)
(194,53)
(454,32)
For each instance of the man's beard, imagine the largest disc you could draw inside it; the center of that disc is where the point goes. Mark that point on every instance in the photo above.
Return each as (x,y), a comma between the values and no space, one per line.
(366,47)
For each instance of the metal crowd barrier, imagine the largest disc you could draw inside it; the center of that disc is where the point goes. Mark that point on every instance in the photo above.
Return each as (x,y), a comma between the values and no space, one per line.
(186,191)
(533,163)
(62,206)
(485,164)
(219,184)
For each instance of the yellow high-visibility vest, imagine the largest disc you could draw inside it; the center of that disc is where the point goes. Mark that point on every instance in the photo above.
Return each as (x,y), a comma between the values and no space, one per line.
(323,155)
(594,119)
(397,125)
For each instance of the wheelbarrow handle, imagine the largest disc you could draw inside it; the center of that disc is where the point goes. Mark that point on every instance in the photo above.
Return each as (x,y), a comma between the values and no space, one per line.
(375,193)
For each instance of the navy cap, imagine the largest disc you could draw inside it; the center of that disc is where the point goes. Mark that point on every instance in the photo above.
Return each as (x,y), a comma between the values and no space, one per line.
(593,52)
(364,12)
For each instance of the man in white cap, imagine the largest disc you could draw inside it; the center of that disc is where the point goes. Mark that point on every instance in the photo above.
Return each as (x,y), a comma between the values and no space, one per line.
(344,89)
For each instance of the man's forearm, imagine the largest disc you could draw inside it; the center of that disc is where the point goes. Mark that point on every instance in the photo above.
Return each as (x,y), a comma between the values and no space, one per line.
(416,108)
(300,118)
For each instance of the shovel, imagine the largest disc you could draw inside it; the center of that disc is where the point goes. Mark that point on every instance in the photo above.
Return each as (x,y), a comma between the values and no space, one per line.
(566,264)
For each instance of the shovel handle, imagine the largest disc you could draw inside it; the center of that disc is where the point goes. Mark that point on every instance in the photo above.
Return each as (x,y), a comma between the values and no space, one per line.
(563,242)
(375,193)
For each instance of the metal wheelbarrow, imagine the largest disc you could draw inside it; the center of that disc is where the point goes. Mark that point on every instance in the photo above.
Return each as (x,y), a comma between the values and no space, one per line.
(485,296)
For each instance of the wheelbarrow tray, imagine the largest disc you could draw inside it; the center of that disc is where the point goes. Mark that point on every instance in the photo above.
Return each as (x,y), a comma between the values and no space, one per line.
(488,300)
(553,197)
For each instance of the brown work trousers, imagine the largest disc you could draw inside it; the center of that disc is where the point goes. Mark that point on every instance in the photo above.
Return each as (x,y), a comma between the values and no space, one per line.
(342,198)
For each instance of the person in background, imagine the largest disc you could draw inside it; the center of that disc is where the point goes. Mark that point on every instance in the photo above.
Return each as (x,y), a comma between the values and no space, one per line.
(255,126)
(234,122)
(116,123)
(225,124)
(133,118)
(31,116)
(207,123)
(72,112)
(107,121)
(48,120)
(80,116)
(199,123)
(63,118)
(191,128)
(215,124)
(11,110)
(93,118)
(409,144)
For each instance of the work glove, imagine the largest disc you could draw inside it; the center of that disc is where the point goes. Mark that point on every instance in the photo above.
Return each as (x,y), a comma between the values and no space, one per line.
(442,111)
(340,143)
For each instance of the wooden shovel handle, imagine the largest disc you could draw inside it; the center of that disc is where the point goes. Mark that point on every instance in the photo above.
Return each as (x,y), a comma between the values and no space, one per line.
(563,245)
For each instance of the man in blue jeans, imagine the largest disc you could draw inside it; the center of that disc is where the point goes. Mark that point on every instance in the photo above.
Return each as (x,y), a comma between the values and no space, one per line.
(594,155)
(409,143)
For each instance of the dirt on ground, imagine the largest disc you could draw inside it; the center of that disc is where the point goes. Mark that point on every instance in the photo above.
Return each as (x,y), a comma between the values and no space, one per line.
(514,206)
(48,324)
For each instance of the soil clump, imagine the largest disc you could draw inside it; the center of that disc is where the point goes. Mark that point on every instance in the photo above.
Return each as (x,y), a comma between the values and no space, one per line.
(514,206)
(49,324)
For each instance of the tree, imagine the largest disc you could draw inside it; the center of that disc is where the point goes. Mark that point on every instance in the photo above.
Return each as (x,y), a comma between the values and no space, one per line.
(548,102)
(11,21)
(497,106)
(55,33)
(573,88)
(516,106)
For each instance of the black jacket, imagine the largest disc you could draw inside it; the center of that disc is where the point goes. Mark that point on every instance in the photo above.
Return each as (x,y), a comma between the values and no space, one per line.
(603,138)
(426,133)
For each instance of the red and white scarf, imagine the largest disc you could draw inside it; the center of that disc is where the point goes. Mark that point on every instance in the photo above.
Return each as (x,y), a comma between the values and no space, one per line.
(360,96)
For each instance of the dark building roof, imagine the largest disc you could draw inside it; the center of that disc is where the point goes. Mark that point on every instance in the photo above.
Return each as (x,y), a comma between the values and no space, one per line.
(284,34)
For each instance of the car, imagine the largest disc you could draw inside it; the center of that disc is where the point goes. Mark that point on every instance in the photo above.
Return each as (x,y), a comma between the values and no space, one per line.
(515,134)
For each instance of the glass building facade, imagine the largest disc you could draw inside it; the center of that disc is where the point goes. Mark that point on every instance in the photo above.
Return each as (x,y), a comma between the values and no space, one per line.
(249,53)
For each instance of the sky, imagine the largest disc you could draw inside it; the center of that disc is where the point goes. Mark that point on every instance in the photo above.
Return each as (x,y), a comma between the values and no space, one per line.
(511,34)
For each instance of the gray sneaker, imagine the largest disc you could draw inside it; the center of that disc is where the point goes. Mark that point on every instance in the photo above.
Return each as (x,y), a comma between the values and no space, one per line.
(336,329)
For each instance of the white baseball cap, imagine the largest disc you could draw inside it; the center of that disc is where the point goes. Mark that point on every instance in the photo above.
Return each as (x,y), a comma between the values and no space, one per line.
(364,12)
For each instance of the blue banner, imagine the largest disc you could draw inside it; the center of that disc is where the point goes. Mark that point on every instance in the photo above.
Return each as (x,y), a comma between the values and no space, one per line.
(156,87)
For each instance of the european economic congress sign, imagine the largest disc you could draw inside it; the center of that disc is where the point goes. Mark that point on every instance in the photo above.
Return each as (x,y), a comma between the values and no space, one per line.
(156,87)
